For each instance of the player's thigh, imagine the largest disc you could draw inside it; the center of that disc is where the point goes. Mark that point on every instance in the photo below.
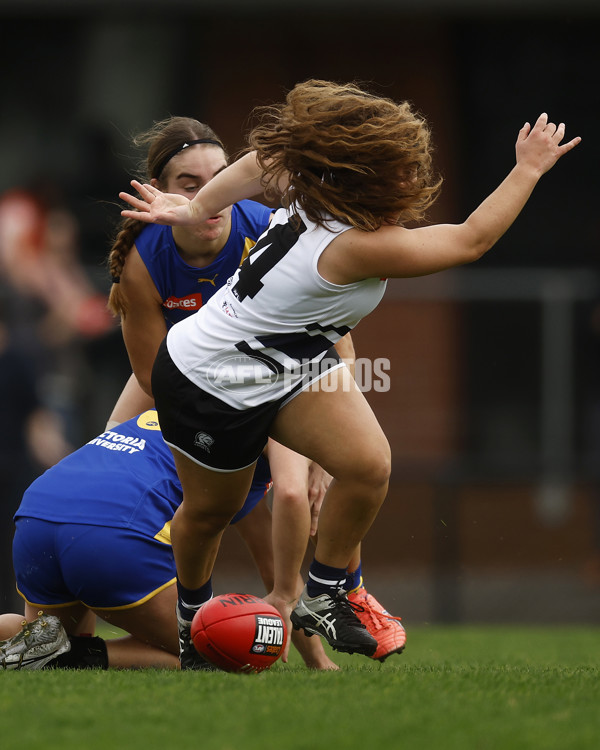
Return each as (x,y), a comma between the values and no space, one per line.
(333,424)
(209,492)
(152,621)
(288,469)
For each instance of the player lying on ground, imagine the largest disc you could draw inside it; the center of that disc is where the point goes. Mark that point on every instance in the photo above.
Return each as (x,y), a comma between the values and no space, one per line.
(93,539)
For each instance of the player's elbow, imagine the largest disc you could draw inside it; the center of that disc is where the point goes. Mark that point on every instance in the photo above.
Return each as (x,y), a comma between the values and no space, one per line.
(478,250)
(476,242)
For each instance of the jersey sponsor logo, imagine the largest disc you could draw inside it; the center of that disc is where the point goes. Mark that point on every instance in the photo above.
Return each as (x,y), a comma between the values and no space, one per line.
(204,440)
(268,635)
(114,441)
(190,302)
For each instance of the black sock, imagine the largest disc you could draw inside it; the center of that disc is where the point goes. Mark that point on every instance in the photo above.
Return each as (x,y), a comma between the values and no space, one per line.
(323,579)
(87,652)
(189,601)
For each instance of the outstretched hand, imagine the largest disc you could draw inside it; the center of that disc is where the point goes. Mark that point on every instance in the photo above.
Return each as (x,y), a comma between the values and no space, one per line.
(156,207)
(540,147)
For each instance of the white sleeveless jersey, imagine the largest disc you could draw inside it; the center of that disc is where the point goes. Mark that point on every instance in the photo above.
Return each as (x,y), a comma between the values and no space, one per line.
(266,331)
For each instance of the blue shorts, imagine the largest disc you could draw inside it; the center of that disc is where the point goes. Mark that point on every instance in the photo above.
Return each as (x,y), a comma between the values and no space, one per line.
(104,568)
(100,566)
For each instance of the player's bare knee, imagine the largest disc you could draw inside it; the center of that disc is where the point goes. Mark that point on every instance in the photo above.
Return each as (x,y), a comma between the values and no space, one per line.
(375,466)
(202,522)
(290,494)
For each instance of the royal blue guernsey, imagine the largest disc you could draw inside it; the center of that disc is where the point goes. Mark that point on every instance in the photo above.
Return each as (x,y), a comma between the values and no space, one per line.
(124,478)
(184,288)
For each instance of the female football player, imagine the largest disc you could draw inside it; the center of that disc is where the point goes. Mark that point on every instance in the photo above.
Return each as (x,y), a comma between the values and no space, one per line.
(351,168)
(93,539)
(162,275)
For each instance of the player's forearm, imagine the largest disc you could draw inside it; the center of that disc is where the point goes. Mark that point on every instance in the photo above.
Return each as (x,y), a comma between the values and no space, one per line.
(239,181)
(132,401)
(498,211)
(291,525)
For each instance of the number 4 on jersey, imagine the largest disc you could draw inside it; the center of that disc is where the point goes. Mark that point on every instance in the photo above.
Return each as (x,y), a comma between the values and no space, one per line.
(275,244)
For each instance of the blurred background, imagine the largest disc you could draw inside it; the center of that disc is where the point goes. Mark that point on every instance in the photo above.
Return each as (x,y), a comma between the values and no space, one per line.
(494,408)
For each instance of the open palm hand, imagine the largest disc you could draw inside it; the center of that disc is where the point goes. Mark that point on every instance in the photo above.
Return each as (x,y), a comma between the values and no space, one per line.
(155,207)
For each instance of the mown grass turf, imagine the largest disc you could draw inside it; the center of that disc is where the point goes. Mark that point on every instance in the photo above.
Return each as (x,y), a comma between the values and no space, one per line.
(454,687)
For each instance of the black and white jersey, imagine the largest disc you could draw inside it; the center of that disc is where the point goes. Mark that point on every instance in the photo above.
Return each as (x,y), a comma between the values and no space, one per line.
(259,335)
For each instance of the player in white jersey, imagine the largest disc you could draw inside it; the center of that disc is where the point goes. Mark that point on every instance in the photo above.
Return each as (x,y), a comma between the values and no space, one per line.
(336,153)
(162,274)
(238,352)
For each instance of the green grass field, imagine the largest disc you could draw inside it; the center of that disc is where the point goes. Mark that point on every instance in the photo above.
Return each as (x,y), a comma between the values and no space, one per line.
(454,687)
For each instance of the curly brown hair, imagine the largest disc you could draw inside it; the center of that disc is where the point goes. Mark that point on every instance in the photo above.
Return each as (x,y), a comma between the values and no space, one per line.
(163,140)
(349,154)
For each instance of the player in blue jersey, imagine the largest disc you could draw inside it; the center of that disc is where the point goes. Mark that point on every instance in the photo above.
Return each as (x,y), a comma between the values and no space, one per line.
(163,274)
(93,539)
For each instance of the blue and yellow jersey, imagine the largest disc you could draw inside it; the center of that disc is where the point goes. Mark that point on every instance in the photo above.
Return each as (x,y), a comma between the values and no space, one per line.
(184,288)
(123,478)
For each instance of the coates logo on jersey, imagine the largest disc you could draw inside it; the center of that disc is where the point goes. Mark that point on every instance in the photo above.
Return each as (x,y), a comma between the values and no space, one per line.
(191,302)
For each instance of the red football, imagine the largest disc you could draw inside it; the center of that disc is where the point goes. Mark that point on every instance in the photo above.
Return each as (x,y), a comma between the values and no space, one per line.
(239,633)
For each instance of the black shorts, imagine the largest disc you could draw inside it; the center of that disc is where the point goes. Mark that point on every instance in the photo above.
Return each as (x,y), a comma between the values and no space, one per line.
(204,428)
